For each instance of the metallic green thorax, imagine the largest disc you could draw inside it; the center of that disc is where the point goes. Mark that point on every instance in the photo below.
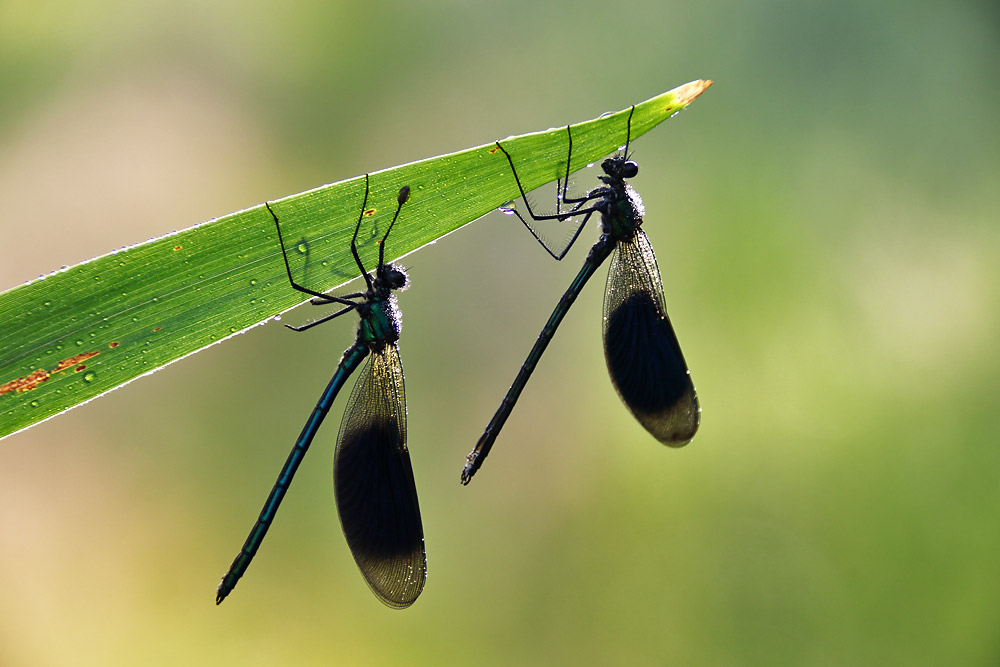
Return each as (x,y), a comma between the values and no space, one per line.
(623,214)
(381,321)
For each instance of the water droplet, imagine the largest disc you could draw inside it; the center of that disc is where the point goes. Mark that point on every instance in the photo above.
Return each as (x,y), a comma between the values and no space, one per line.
(89,376)
(253,282)
(302,247)
(507,208)
(79,342)
(34,404)
(47,304)
(135,319)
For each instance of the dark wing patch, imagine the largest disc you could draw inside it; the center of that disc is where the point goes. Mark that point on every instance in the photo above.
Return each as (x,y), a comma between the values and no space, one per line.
(373,484)
(643,356)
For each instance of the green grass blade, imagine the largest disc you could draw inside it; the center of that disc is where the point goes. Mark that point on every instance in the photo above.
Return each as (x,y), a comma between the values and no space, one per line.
(73,335)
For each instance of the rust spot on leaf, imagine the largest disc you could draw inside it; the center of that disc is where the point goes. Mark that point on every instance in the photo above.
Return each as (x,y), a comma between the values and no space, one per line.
(177,247)
(26,383)
(114,344)
(370,212)
(74,360)
(81,367)
(36,377)
(494,149)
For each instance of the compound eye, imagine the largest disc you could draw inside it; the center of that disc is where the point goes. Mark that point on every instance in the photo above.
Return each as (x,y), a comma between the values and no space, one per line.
(630,169)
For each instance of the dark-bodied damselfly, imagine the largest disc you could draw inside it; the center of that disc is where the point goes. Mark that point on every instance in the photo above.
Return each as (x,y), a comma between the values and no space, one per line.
(372,478)
(640,347)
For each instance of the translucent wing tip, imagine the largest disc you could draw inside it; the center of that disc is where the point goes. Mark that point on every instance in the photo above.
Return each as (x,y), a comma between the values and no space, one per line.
(403,589)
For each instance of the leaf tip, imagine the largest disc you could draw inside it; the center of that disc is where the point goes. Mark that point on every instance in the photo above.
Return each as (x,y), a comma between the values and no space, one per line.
(686,94)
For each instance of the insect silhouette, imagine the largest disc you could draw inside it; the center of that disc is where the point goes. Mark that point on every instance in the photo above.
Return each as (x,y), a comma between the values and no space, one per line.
(643,356)
(373,483)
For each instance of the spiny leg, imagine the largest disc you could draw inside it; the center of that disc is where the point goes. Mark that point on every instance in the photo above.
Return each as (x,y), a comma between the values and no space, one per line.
(324,298)
(561,216)
(404,195)
(354,239)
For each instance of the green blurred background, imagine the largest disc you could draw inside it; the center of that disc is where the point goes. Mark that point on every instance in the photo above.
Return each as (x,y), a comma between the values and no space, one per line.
(825,218)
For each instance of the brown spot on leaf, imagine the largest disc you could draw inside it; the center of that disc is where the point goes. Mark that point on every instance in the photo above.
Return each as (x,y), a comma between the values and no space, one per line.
(36,377)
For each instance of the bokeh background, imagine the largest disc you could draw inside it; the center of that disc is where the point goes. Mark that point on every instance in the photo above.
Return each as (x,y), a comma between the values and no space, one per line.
(825,218)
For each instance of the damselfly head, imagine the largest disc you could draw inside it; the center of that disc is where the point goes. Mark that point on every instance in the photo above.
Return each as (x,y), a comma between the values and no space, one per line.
(620,167)
(391,276)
